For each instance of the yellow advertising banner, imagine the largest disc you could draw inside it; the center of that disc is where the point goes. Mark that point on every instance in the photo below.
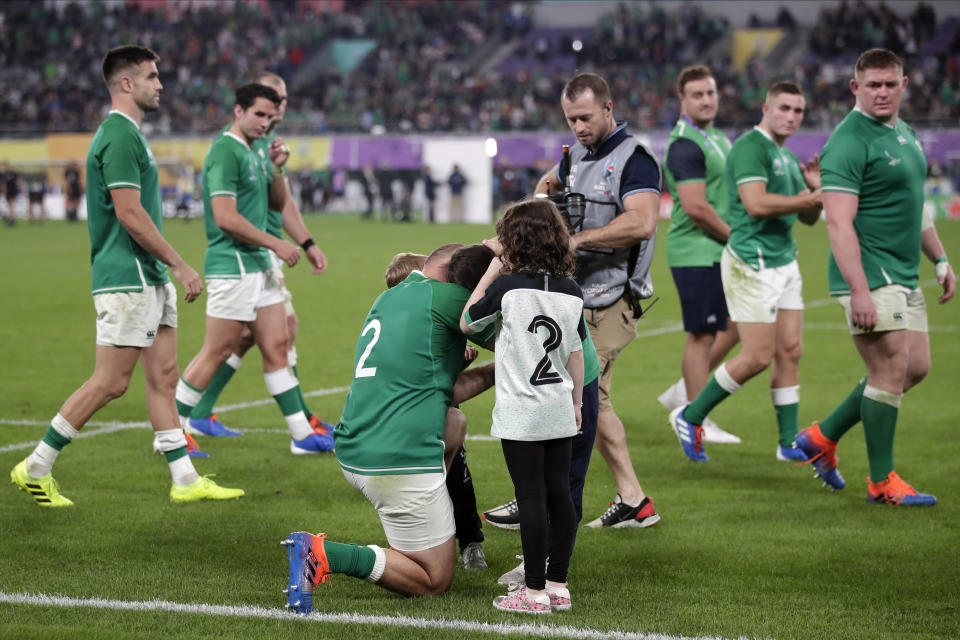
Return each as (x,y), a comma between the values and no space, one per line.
(748,43)
(56,150)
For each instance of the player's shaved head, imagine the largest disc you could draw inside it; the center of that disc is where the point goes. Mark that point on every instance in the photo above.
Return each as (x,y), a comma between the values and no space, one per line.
(436,263)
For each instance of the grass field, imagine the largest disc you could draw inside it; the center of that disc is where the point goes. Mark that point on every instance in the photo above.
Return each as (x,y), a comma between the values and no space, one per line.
(748,546)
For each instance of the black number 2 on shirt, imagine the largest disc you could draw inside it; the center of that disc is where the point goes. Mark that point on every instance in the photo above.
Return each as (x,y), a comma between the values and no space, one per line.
(544,374)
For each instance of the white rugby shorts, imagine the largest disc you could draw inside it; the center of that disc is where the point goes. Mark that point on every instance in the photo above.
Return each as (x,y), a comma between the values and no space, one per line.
(131,318)
(239,298)
(756,296)
(898,308)
(415,509)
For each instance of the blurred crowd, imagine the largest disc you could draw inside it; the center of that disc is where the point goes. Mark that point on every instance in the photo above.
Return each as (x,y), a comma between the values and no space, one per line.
(461,66)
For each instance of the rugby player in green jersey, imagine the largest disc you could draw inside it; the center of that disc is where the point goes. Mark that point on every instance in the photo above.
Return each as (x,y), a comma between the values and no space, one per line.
(393,440)
(768,189)
(239,188)
(695,168)
(873,174)
(136,302)
(202,420)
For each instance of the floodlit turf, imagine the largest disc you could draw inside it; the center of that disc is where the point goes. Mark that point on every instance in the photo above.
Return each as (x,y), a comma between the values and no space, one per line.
(748,546)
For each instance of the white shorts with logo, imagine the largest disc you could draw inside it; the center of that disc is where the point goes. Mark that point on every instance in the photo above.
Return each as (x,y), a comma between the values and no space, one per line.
(756,296)
(415,509)
(898,308)
(239,298)
(278,274)
(131,318)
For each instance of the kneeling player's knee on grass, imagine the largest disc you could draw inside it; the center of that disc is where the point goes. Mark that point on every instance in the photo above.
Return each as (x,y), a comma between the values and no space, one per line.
(440,583)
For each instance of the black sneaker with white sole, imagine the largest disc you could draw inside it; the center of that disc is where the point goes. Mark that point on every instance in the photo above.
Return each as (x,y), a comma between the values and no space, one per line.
(506,516)
(620,515)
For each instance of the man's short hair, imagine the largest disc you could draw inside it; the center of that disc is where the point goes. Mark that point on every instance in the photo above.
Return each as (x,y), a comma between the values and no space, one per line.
(248,93)
(784,86)
(468,264)
(583,81)
(402,265)
(691,74)
(120,59)
(877,59)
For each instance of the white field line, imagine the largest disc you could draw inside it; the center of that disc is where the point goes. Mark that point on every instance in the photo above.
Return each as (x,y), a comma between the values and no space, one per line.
(102,428)
(502,629)
(111,427)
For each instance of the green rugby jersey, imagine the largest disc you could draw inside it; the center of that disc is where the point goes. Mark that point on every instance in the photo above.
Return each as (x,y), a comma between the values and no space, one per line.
(120,158)
(409,354)
(762,242)
(885,168)
(233,169)
(262,148)
(695,155)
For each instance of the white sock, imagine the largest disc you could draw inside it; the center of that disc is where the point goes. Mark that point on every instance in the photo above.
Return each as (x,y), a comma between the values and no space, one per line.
(182,471)
(40,462)
(379,565)
(681,387)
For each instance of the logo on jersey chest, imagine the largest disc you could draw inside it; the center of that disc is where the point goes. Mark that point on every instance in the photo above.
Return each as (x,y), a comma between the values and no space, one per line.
(893,161)
(778,167)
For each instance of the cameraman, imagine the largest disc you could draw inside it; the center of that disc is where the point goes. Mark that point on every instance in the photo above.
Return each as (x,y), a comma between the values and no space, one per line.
(620,179)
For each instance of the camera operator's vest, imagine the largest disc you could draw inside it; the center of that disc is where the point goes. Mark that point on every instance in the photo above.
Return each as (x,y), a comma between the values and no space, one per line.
(605,275)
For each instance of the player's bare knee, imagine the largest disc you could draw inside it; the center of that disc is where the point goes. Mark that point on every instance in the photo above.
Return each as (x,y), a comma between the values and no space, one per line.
(440,581)
(274,350)
(110,387)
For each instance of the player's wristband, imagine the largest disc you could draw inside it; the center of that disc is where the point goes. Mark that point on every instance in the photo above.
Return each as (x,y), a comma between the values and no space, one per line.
(940,267)
(279,171)
(306,244)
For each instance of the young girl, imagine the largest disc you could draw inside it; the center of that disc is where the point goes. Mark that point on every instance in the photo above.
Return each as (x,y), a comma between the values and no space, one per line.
(539,385)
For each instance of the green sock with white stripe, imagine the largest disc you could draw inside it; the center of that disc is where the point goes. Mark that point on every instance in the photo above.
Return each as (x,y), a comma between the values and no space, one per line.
(285,389)
(719,386)
(879,409)
(188,396)
(211,394)
(786,404)
(59,434)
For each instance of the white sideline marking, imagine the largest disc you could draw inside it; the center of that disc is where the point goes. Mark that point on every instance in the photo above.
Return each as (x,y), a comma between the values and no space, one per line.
(503,629)
(104,427)
(257,403)
(111,427)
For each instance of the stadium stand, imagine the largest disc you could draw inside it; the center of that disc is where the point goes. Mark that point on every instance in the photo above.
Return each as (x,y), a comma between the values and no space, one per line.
(440,66)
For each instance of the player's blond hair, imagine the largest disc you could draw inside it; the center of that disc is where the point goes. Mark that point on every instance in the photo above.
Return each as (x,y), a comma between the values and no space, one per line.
(401,266)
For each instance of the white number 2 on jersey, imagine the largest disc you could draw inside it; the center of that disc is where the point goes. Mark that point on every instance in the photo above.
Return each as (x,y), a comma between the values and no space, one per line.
(362,371)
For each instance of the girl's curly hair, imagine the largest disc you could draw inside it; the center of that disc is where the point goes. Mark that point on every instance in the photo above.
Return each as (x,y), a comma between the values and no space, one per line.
(534,236)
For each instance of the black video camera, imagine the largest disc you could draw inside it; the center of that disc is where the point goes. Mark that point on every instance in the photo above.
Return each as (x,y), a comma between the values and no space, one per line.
(572,207)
